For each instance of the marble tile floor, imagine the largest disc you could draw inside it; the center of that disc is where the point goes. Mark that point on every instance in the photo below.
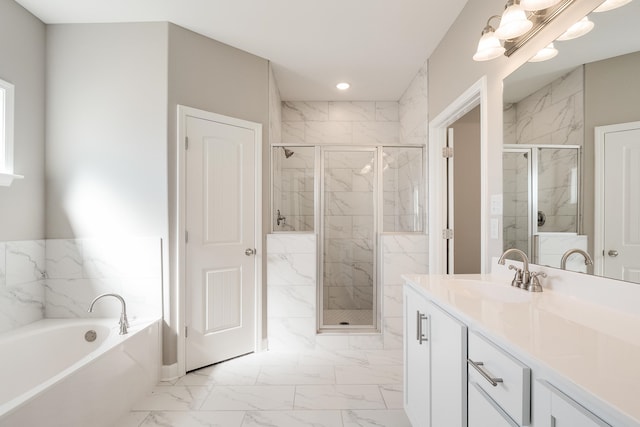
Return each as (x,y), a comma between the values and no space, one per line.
(336,388)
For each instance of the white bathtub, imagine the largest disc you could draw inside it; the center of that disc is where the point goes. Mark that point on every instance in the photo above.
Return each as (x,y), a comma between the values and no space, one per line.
(51,376)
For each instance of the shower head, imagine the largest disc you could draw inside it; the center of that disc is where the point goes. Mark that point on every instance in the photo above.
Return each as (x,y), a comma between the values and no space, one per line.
(287,153)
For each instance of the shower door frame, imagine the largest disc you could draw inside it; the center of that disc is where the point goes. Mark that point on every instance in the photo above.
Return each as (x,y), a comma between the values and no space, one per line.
(320,233)
(533,164)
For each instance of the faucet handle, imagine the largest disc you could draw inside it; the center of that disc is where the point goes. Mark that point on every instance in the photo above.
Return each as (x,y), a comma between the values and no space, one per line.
(517,277)
(534,285)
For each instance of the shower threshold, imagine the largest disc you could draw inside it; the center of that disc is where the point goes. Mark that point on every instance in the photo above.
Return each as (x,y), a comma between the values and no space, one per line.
(345,318)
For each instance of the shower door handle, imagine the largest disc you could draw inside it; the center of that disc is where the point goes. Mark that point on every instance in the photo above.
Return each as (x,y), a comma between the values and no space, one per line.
(249,252)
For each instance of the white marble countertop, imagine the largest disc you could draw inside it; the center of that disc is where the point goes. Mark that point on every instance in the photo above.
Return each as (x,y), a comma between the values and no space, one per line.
(582,344)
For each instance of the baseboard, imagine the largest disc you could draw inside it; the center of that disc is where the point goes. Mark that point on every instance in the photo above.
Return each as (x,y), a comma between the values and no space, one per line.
(169,372)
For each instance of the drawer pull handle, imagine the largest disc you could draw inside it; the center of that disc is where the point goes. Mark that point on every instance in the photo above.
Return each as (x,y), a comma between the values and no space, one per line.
(420,335)
(477,366)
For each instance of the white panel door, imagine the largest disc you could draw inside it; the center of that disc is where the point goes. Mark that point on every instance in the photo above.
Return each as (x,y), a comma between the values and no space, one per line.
(221,237)
(622,205)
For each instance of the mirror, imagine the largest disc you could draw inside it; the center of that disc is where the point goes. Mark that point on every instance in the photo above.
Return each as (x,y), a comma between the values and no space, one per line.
(552,107)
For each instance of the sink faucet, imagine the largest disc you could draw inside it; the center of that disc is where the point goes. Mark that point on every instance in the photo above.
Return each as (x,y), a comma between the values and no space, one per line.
(567,254)
(522,276)
(124,322)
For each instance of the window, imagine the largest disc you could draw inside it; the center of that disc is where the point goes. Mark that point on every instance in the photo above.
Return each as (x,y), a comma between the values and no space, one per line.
(6,134)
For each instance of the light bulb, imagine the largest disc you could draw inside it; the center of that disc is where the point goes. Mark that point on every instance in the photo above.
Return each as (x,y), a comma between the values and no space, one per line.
(538,4)
(578,29)
(489,46)
(514,22)
(610,5)
(545,54)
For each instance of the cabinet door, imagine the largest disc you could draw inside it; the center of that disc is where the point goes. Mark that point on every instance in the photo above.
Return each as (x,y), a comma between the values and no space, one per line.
(484,412)
(567,413)
(448,340)
(416,359)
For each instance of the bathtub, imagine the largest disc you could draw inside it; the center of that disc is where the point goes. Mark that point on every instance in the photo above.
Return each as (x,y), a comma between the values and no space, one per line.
(50,375)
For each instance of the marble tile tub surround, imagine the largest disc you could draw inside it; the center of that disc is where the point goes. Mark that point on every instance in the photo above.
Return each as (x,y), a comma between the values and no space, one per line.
(349,388)
(60,277)
(292,293)
(22,273)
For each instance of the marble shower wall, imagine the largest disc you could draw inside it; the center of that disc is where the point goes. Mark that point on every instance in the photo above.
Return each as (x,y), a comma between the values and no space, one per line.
(403,192)
(293,188)
(292,292)
(59,278)
(22,272)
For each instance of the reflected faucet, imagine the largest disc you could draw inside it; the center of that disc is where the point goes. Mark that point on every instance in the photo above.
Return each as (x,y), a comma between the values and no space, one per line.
(522,276)
(587,258)
(124,322)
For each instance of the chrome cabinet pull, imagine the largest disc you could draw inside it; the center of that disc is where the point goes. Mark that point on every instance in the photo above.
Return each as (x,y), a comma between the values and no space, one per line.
(420,335)
(487,376)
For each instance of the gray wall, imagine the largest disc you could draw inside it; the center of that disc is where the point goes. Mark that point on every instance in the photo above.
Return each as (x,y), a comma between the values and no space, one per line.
(22,62)
(215,77)
(106,130)
(612,95)
(466,202)
(452,71)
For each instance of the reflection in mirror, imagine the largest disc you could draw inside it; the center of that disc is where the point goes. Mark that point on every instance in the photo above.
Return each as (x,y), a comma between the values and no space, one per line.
(593,82)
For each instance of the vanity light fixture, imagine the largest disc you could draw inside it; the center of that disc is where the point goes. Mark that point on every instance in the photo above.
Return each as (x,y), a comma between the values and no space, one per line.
(489,46)
(517,26)
(513,22)
(578,29)
(343,86)
(610,5)
(545,54)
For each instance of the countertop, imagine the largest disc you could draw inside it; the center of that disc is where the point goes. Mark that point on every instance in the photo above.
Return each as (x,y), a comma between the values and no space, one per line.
(593,347)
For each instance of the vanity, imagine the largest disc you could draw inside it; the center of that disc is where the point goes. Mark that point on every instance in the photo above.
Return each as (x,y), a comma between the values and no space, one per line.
(481,353)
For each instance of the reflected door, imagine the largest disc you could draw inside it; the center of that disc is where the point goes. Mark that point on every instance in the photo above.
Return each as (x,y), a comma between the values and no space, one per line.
(348,233)
(622,205)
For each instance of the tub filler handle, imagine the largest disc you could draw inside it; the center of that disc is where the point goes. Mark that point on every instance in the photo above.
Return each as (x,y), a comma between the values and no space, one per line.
(124,322)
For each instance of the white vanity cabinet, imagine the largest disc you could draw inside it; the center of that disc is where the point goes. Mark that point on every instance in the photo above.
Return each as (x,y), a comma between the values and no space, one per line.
(435,348)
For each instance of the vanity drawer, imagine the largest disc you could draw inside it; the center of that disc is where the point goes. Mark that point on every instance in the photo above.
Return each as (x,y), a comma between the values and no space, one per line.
(502,377)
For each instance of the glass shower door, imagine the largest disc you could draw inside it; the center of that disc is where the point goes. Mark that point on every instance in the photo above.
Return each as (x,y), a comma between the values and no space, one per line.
(348,236)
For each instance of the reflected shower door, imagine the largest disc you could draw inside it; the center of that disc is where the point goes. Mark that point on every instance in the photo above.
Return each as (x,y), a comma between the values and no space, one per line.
(348,236)
(517,199)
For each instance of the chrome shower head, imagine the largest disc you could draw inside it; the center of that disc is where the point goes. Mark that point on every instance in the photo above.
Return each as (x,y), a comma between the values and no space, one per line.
(287,153)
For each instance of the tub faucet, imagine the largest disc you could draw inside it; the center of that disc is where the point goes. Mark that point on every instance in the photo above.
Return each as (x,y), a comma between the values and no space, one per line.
(565,257)
(523,276)
(124,322)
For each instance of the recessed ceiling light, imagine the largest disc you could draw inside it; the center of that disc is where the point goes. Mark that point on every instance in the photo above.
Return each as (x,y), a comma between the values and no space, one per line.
(343,86)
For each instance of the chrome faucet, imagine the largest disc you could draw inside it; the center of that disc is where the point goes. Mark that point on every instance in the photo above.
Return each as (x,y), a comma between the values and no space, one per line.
(124,322)
(587,258)
(523,276)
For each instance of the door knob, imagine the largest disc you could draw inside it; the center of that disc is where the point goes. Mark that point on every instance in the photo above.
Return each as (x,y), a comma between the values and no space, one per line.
(249,252)
(613,253)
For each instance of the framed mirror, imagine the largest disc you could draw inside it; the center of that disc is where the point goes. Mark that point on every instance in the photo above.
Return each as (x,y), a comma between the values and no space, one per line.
(578,100)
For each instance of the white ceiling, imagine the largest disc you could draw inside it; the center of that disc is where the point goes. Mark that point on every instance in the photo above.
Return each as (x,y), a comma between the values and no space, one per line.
(376,45)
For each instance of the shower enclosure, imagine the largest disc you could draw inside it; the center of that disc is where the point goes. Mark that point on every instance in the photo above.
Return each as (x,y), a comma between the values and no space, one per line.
(541,187)
(348,196)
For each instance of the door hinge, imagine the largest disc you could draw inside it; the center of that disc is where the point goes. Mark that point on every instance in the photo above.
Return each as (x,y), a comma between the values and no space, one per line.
(186,236)
(447,233)
(186,142)
(447,152)
(186,331)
